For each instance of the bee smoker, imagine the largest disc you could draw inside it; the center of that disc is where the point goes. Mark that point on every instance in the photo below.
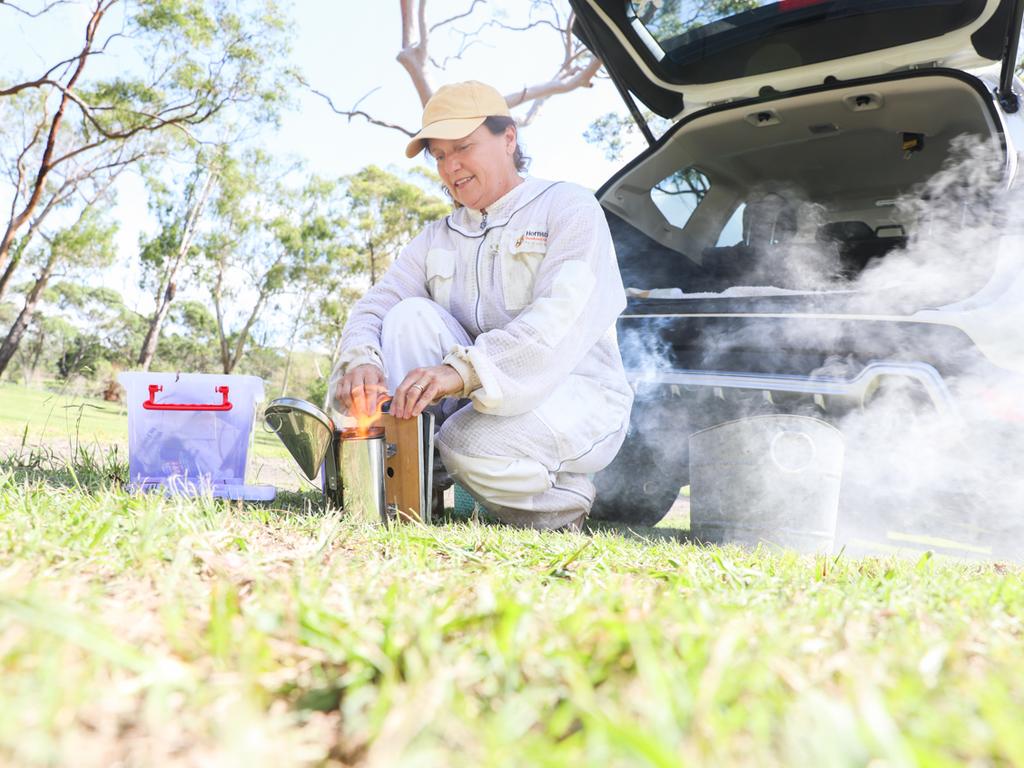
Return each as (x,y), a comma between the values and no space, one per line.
(360,463)
(380,474)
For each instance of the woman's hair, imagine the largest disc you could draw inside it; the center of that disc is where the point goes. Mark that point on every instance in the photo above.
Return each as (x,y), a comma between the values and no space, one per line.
(497,124)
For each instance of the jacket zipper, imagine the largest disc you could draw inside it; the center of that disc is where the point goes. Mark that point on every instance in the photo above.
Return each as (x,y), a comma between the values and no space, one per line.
(476,311)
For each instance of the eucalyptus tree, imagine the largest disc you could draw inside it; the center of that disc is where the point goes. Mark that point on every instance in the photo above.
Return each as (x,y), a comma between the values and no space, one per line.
(431,39)
(310,232)
(381,212)
(189,341)
(87,242)
(273,236)
(165,256)
(384,212)
(181,64)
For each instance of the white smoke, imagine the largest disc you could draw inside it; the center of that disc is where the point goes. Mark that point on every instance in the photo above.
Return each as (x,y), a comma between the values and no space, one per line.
(931,461)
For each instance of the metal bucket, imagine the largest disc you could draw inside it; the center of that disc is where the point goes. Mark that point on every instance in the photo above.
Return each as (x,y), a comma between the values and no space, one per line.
(360,462)
(767,479)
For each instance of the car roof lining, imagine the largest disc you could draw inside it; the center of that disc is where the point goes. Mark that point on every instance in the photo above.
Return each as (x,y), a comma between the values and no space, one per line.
(860,160)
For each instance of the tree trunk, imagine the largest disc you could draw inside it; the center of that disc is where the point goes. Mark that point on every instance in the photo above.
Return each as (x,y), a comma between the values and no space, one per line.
(5,279)
(37,353)
(243,335)
(218,296)
(148,351)
(287,371)
(10,345)
(169,285)
(291,343)
(46,160)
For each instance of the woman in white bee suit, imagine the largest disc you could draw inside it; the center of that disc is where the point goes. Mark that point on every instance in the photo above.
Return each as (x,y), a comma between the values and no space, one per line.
(511,302)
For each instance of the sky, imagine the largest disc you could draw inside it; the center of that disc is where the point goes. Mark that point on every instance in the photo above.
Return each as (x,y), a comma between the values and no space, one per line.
(347,49)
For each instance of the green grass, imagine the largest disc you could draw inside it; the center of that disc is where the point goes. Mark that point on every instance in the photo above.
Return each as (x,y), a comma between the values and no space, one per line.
(65,421)
(141,630)
(152,631)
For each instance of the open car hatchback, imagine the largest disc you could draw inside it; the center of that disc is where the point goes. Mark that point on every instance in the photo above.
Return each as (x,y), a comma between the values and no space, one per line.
(825,228)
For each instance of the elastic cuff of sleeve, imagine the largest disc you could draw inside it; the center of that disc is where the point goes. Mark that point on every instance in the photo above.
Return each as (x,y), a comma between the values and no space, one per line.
(362,356)
(459,360)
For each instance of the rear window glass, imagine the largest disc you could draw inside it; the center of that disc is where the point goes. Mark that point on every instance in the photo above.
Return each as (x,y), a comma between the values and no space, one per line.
(678,195)
(712,40)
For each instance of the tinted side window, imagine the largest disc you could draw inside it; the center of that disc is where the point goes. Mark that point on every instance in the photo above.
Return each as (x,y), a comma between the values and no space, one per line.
(678,195)
(732,232)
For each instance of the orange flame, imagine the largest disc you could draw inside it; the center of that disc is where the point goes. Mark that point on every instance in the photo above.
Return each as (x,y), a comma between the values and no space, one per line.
(365,422)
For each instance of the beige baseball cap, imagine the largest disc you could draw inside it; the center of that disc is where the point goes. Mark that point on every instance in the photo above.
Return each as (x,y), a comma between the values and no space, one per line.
(455,111)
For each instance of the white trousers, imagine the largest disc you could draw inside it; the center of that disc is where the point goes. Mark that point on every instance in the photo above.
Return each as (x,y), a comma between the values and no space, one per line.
(531,470)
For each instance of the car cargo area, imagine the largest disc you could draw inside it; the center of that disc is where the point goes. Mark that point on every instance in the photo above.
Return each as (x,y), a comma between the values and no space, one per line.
(811,194)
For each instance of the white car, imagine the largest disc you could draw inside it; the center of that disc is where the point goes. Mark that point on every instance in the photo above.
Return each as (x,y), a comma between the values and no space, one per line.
(827,228)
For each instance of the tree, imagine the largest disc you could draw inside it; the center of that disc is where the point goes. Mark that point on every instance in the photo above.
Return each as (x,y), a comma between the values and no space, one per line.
(575,66)
(383,213)
(67,187)
(265,239)
(164,255)
(88,241)
(192,60)
(189,341)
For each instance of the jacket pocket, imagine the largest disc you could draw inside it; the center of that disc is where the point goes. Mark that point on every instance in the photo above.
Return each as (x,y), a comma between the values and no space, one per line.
(520,263)
(440,275)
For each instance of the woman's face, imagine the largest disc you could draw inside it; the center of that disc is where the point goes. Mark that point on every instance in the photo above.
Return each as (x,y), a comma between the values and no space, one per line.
(477,169)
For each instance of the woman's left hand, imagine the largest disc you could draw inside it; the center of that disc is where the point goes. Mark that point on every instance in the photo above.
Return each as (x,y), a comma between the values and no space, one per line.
(423,386)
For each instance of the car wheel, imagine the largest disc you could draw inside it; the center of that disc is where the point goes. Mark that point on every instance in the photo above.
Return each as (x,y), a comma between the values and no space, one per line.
(637,488)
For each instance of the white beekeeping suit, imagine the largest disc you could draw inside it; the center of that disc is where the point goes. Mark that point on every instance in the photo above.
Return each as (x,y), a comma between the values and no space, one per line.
(521,299)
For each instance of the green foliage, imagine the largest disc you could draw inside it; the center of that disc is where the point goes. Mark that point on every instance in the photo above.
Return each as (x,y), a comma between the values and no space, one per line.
(384,212)
(80,356)
(189,342)
(201,57)
(670,18)
(611,130)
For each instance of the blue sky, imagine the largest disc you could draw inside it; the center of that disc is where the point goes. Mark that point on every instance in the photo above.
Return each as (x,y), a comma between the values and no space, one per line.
(346,49)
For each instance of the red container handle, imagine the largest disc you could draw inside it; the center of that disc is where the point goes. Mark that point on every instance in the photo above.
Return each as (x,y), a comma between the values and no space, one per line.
(149,405)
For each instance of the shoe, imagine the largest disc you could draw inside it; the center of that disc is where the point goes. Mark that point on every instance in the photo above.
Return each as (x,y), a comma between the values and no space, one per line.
(577,525)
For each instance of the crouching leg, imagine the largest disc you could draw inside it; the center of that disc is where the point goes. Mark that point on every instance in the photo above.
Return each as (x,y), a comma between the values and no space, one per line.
(510,464)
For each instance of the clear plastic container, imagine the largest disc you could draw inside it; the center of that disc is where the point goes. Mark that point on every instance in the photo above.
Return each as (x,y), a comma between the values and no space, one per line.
(191,433)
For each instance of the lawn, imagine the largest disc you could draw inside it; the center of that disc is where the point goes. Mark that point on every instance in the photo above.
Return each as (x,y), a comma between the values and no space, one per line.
(152,631)
(63,421)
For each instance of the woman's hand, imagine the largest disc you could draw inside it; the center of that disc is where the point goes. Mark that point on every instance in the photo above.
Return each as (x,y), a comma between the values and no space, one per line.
(362,388)
(422,387)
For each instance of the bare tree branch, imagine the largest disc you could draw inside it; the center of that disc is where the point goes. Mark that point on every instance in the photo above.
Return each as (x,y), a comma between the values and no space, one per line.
(51,139)
(577,69)
(45,9)
(413,57)
(350,113)
(459,16)
(580,79)
(455,56)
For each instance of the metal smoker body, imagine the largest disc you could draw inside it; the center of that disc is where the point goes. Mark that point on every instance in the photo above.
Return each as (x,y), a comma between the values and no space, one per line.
(360,464)
(386,474)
